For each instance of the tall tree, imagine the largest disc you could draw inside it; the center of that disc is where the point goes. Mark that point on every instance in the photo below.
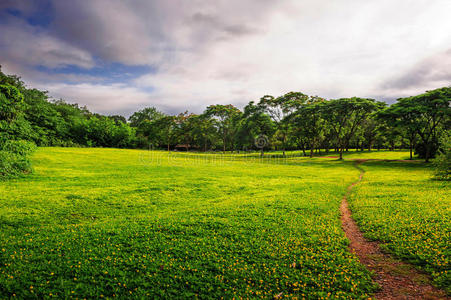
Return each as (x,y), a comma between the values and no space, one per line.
(345,116)
(279,109)
(433,109)
(310,122)
(148,113)
(227,117)
(167,130)
(405,117)
(253,123)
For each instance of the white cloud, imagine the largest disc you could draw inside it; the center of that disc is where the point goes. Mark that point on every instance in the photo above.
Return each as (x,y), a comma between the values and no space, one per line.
(106,99)
(227,51)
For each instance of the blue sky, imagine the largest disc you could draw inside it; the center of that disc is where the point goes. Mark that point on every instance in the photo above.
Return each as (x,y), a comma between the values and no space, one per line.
(119,56)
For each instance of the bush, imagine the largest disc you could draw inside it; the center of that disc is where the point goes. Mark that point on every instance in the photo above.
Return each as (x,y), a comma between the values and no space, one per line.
(443,161)
(21,147)
(14,157)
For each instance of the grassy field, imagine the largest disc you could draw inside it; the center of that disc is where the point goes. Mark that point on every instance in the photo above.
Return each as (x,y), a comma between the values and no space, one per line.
(398,204)
(109,222)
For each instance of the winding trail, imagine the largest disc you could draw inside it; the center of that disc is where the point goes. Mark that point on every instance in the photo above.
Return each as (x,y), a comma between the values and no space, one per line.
(397,279)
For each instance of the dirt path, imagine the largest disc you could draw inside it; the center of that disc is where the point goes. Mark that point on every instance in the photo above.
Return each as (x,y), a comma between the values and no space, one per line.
(398,280)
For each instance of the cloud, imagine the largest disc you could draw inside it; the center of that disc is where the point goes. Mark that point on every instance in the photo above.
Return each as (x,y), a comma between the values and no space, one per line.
(429,73)
(226,51)
(26,45)
(106,99)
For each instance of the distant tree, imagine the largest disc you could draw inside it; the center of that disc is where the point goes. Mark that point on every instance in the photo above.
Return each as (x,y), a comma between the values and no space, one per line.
(279,109)
(310,123)
(345,115)
(11,102)
(253,123)
(202,130)
(443,161)
(433,109)
(143,121)
(227,117)
(148,113)
(118,119)
(13,80)
(369,132)
(167,130)
(405,117)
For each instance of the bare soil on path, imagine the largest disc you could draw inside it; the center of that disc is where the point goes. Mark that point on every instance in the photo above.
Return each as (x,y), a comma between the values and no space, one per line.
(397,279)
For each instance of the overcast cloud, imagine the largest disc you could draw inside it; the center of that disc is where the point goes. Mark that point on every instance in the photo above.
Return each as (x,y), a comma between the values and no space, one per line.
(118,56)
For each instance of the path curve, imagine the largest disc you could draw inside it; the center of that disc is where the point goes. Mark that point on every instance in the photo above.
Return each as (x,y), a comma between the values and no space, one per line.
(397,279)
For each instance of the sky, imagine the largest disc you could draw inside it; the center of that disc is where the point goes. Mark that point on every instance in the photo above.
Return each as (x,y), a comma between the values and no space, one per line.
(119,56)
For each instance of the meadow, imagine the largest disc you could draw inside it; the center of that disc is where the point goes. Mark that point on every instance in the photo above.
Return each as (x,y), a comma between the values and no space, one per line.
(131,223)
(399,205)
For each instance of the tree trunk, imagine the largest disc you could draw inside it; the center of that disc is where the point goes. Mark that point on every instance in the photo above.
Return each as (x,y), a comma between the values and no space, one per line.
(311,151)
(428,152)
(411,148)
(341,153)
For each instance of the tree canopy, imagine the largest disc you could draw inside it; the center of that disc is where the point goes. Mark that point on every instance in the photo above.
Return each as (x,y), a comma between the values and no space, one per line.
(291,121)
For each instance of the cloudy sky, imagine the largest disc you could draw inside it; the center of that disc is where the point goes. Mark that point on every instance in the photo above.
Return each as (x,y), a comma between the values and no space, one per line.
(117,56)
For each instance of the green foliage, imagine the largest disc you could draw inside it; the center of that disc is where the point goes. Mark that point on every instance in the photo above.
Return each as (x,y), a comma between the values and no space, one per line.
(145,114)
(11,101)
(422,116)
(253,123)
(279,110)
(21,147)
(443,161)
(227,118)
(310,123)
(14,154)
(345,115)
(291,121)
(15,157)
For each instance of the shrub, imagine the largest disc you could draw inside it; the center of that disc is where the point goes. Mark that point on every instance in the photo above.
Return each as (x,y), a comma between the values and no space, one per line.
(14,157)
(21,147)
(443,161)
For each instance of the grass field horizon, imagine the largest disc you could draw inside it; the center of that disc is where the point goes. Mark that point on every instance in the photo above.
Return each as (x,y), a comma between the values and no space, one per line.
(97,222)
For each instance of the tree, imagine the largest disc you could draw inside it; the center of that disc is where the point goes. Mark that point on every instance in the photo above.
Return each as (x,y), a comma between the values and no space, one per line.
(345,116)
(369,132)
(433,109)
(166,128)
(404,116)
(310,123)
(148,113)
(443,162)
(280,108)
(202,130)
(253,123)
(118,119)
(227,117)
(11,102)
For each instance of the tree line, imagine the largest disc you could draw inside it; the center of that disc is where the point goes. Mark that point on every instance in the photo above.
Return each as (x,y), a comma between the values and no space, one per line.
(294,121)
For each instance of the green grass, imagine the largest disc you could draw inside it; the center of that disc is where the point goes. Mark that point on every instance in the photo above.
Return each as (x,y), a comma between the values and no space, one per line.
(398,204)
(120,223)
